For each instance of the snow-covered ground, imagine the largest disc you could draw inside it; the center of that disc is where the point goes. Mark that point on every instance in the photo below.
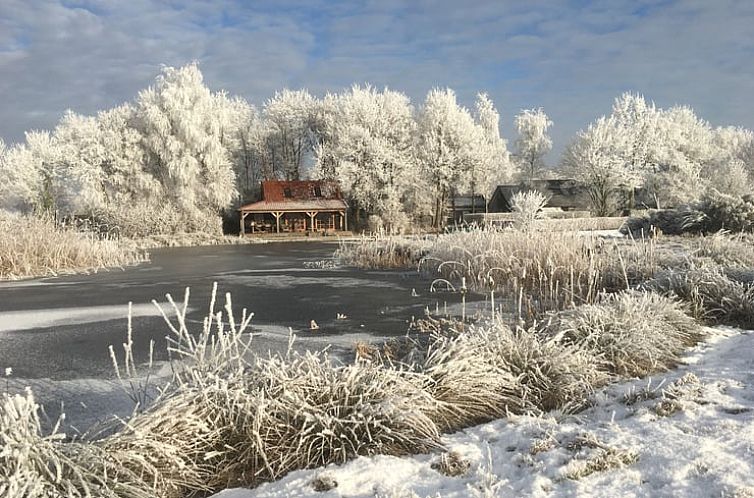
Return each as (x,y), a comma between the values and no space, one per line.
(689,432)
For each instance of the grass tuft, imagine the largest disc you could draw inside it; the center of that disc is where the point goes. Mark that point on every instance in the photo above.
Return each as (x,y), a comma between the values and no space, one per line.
(631,333)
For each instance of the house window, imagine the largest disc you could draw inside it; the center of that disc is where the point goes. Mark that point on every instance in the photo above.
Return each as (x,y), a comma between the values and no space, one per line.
(317,191)
(287,193)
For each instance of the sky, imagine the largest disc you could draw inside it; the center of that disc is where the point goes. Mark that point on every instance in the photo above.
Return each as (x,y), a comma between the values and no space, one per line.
(570,57)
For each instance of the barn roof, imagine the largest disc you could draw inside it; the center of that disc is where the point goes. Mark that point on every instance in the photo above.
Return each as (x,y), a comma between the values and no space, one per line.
(299,196)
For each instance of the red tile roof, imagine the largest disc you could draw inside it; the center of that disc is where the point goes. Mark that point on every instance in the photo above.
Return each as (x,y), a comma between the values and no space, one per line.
(298,196)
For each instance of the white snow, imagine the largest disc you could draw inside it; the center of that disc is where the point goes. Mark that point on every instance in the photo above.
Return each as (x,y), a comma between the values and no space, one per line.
(706,448)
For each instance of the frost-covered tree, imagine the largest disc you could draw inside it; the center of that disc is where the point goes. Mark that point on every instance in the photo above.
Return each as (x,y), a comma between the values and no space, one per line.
(447,144)
(732,167)
(596,158)
(685,149)
(20,179)
(640,122)
(533,142)
(289,121)
(183,138)
(672,152)
(369,151)
(124,160)
(244,137)
(735,143)
(493,165)
(79,169)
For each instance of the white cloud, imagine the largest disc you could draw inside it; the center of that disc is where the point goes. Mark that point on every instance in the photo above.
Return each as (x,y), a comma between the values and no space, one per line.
(571,60)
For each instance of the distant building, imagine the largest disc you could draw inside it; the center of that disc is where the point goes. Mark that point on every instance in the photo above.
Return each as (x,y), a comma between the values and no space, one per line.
(461,205)
(567,195)
(295,206)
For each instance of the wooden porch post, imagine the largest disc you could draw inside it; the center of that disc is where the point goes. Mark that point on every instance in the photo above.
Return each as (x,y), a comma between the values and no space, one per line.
(243,225)
(312,216)
(345,220)
(277,215)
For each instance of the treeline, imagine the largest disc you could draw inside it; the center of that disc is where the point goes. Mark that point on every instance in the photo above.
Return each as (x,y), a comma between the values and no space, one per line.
(178,147)
(179,155)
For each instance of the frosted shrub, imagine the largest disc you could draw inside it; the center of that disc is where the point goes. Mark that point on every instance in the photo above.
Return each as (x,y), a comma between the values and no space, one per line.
(631,333)
(726,212)
(667,221)
(714,212)
(527,208)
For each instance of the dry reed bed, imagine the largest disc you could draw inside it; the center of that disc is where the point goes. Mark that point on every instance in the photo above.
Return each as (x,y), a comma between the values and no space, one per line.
(579,224)
(542,270)
(31,246)
(382,251)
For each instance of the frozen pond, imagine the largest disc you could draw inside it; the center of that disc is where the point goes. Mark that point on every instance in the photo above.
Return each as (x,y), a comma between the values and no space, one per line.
(55,333)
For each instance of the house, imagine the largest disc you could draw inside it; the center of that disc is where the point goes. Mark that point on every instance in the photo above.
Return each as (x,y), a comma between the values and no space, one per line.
(567,195)
(295,206)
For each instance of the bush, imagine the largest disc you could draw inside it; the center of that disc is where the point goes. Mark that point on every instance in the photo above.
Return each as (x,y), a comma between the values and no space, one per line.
(714,212)
(726,212)
(31,246)
(668,221)
(527,208)
(631,333)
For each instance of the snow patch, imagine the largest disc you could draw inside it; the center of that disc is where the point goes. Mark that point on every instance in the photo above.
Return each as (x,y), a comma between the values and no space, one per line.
(32,319)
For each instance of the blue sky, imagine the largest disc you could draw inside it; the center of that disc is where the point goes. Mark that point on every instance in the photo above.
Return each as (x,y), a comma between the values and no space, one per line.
(570,57)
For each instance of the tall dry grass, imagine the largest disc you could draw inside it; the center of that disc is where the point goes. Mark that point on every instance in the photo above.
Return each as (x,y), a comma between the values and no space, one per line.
(491,371)
(713,293)
(551,270)
(33,246)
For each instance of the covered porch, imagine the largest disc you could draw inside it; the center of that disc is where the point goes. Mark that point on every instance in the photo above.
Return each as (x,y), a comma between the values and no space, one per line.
(255,221)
